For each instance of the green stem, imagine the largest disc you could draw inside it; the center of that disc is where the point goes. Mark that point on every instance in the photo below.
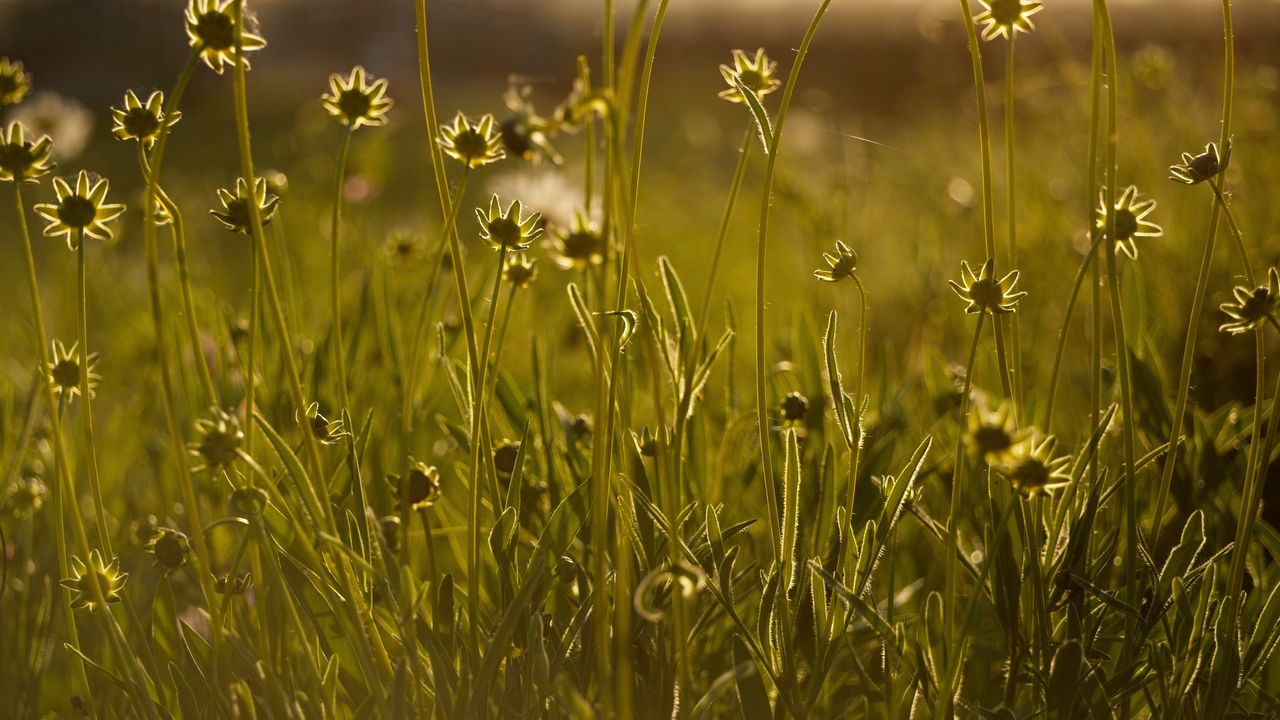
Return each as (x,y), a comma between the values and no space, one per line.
(726,219)
(957,475)
(339,347)
(1062,331)
(1012,188)
(855,463)
(1235,231)
(64,488)
(86,411)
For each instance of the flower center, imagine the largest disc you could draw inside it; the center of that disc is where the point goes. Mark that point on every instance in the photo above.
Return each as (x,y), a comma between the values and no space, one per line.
(986,293)
(354,104)
(1204,165)
(1126,224)
(16,158)
(470,144)
(219,449)
(1006,12)
(77,212)
(516,137)
(169,551)
(504,232)
(581,245)
(423,488)
(990,440)
(216,30)
(141,123)
(66,374)
(753,79)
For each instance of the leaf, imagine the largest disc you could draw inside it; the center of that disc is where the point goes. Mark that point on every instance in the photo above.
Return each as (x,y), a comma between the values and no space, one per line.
(584,318)
(835,385)
(758,114)
(790,507)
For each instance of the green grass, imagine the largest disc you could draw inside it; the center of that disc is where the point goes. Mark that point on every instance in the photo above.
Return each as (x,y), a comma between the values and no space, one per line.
(690,479)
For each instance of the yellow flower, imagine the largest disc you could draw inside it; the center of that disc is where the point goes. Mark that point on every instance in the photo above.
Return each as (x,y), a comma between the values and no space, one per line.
(142,122)
(841,265)
(22,160)
(96,584)
(424,485)
(757,74)
(991,435)
(1198,168)
(79,211)
(354,101)
(580,246)
(169,547)
(1130,219)
(211,27)
(15,82)
(220,440)
(235,208)
(985,294)
(1252,308)
(66,368)
(1006,17)
(520,271)
(508,229)
(1032,469)
(472,145)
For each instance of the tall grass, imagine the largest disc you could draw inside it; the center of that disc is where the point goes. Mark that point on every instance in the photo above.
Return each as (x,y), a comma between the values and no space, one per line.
(871,535)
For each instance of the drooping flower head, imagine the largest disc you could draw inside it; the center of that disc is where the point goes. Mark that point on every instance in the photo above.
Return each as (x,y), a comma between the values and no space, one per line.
(23,160)
(82,210)
(170,548)
(67,369)
(355,101)
(1198,168)
(235,208)
(1130,219)
(211,28)
(839,266)
(578,247)
(508,229)
(140,121)
(1006,17)
(1254,307)
(95,584)
(524,132)
(472,145)
(1032,469)
(504,457)
(794,408)
(756,73)
(15,82)
(984,293)
(324,430)
(220,440)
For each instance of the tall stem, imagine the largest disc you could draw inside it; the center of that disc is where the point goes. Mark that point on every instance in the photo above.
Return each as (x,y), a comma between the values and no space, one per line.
(335,297)
(86,411)
(1011,188)
(726,219)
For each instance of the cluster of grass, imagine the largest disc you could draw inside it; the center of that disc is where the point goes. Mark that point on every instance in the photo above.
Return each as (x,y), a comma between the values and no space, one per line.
(360,489)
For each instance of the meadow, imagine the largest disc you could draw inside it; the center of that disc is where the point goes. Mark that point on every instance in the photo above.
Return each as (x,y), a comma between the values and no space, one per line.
(776,385)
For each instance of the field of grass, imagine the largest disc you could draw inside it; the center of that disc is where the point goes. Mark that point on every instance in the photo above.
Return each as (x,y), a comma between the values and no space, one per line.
(839,404)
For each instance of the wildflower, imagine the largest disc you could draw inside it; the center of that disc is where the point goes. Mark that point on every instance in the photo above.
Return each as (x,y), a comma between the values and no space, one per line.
(472,145)
(524,132)
(521,271)
(508,229)
(220,439)
(66,368)
(22,160)
(1198,168)
(984,293)
(390,525)
(227,585)
(142,122)
(504,458)
(424,485)
(24,496)
(1130,220)
(1032,469)
(170,548)
(15,82)
(96,584)
(211,27)
(991,435)
(235,208)
(354,101)
(402,248)
(795,407)
(324,430)
(582,245)
(1252,308)
(67,122)
(841,265)
(757,74)
(1006,17)
(566,569)
(79,212)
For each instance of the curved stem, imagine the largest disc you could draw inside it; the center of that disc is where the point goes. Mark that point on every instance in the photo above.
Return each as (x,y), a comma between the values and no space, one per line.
(339,347)
(86,411)
(957,475)
(726,218)
(1062,332)
(1235,230)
